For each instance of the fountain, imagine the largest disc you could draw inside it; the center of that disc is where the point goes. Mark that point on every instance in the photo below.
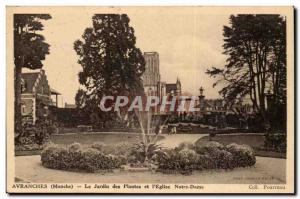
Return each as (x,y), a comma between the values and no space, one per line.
(150,129)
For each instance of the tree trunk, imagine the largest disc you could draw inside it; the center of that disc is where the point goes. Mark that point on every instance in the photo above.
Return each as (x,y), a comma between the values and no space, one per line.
(18,116)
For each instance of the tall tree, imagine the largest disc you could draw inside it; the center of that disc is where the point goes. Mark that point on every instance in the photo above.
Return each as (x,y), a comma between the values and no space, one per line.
(256,64)
(111,63)
(30,49)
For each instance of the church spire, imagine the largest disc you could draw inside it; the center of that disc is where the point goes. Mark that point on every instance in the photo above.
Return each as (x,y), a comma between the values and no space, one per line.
(178,81)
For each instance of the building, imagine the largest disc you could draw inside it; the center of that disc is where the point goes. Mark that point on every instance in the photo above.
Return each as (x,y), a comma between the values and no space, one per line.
(70,105)
(152,80)
(153,86)
(151,76)
(35,96)
(173,89)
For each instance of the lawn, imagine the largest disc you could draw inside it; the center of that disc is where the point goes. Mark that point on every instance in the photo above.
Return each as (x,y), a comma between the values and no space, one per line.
(87,139)
(90,138)
(256,141)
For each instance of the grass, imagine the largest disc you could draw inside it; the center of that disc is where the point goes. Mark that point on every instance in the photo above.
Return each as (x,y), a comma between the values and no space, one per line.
(90,138)
(87,139)
(256,141)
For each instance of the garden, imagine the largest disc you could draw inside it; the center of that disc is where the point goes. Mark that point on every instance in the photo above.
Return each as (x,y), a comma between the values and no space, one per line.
(184,159)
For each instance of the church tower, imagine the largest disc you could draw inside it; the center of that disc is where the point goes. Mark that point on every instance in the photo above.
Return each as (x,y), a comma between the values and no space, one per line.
(151,76)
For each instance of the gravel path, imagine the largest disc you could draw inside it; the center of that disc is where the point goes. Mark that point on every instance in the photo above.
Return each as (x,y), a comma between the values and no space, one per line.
(266,171)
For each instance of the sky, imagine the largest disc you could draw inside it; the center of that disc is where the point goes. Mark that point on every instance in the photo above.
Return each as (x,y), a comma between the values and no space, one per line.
(188,41)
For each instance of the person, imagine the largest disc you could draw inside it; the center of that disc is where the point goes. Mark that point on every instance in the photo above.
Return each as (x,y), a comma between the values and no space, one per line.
(157,129)
(174,130)
(169,129)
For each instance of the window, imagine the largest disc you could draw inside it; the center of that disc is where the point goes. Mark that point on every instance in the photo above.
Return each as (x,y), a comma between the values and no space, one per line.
(23,109)
(23,85)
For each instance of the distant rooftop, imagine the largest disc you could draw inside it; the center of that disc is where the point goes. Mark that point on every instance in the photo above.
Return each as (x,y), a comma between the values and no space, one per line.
(70,105)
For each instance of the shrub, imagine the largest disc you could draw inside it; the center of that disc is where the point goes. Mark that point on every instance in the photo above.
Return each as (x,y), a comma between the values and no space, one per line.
(221,159)
(122,149)
(208,147)
(243,155)
(98,145)
(184,161)
(204,162)
(185,145)
(139,151)
(32,137)
(75,157)
(75,147)
(207,155)
(55,157)
(275,141)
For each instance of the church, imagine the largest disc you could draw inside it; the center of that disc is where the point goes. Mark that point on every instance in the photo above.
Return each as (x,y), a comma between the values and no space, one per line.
(153,86)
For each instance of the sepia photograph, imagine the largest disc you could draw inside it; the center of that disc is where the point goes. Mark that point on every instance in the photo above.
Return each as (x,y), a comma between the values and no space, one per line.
(150,99)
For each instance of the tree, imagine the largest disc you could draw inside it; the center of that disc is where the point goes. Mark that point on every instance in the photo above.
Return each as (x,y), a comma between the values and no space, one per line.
(111,63)
(30,49)
(256,64)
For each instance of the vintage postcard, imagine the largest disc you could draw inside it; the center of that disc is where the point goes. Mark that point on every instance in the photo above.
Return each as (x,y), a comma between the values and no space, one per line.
(150,99)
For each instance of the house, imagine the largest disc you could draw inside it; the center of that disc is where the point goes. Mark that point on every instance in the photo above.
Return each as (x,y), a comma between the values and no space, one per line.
(35,96)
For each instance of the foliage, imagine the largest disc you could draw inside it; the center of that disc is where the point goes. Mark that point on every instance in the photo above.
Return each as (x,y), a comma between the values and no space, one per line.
(208,147)
(221,159)
(75,157)
(185,145)
(256,49)
(30,49)
(111,63)
(34,136)
(184,161)
(99,146)
(211,155)
(120,149)
(243,155)
(276,141)
(140,151)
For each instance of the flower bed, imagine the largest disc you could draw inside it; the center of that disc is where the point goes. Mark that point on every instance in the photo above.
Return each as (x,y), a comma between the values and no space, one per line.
(183,159)
(75,157)
(209,155)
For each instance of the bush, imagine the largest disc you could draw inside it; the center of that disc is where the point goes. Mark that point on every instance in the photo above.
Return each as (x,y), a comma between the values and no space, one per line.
(275,141)
(208,147)
(99,146)
(205,155)
(55,157)
(221,159)
(243,155)
(185,145)
(32,137)
(75,157)
(204,162)
(139,151)
(183,161)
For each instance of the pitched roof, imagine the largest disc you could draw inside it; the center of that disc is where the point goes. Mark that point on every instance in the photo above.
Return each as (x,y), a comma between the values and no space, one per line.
(29,80)
(54,92)
(170,87)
